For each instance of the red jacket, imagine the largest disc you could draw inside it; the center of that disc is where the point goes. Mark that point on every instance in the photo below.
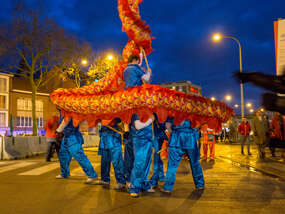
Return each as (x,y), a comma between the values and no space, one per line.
(244,128)
(50,126)
(275,129)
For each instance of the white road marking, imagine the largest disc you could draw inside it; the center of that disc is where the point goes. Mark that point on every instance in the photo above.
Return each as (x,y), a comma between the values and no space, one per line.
(78,171)
(41,170)
(6,163)
(15,166)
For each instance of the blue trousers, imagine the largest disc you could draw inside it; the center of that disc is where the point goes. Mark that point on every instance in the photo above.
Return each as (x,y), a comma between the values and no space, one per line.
(142,163)
(115,156)
(128,160)
(74,151)
(174,157)
(158,173)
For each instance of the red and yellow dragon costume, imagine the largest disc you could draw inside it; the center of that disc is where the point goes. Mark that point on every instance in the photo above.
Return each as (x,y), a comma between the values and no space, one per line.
(107,98)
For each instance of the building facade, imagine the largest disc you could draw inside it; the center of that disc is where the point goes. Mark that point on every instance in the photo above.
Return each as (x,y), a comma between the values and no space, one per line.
(16,104)
(184,86)
(5,83)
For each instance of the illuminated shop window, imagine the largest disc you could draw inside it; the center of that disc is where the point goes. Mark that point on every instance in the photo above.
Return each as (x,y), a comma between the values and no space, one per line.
(3,119)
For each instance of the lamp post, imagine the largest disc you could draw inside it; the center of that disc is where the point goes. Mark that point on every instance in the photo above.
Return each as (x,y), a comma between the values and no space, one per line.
(218,37)
(228,97)
(84,62)
(110,57)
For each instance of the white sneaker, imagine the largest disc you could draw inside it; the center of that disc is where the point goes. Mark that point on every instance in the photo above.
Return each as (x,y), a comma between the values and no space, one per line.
(60,177)
(119,186)
(165,191)
(134,195)
(100,182)
(151,190)
(90,180)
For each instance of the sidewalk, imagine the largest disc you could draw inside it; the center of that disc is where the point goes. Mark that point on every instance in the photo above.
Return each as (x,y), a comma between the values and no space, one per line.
(271,166)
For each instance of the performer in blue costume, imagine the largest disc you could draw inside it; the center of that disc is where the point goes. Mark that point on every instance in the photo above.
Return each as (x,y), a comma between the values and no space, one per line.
(128,156)
(134,74)
(183,140)
(140,133)
(111,151)
(159,137)
(71,147)
(143,142)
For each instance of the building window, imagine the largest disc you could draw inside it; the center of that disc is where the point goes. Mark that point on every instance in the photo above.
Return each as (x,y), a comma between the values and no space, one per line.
(3,85)
(39,106)
(40,122)
(3,102)
(24,112)
(3,119)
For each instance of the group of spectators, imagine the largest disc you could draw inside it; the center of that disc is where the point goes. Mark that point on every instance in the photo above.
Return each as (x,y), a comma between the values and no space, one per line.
(265,133)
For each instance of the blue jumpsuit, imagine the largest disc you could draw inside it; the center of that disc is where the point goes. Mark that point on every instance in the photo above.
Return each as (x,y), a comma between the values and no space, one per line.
(132,75)
(143,143)
(160,136)
(128,156)
(183,140)
(111,151)
(71,147)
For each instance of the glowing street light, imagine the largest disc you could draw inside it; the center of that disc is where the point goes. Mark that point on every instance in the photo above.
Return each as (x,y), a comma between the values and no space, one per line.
(110,57)
(262,109)
(84,62)
(251,110)
(218,37)
(249,105)
(213,98)
(236,105)
(228,97)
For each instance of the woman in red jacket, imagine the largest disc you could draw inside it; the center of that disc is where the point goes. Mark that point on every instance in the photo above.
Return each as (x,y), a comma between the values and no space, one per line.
(277,132)
(244,129)
(50,127)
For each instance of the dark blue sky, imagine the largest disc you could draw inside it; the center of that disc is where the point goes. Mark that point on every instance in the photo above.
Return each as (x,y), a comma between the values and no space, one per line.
(183,29)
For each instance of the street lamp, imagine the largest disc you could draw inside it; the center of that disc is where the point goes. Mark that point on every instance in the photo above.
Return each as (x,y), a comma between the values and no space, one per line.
(249,105)
(218,37)
(213,98)
(84,62)
(236,105)
(228,97)
(251,110)
(110,57)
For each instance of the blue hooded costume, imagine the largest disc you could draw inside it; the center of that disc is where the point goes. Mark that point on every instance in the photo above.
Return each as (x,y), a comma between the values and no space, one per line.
(128,156)
(111,151)
(71,147)
(133,75)
(159,137)
(141,140)
(183,140)
(143,143)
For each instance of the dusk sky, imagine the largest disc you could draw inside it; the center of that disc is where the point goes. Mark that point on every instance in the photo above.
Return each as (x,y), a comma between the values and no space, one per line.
(183,49)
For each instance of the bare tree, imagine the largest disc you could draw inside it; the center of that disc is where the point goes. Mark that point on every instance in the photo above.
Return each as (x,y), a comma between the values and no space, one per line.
(42,47)
(76,70)
(103,62)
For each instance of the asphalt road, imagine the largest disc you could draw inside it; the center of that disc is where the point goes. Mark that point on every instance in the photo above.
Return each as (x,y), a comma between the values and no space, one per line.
(234,184)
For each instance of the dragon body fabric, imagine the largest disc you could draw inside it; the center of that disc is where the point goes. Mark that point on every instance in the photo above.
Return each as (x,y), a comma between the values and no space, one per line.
(108,98)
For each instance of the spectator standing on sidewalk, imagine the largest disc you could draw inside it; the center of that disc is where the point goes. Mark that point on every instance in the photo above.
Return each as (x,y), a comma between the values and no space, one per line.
(244,129)
(261,132)
(277,132)
(209,141)
(50,128)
